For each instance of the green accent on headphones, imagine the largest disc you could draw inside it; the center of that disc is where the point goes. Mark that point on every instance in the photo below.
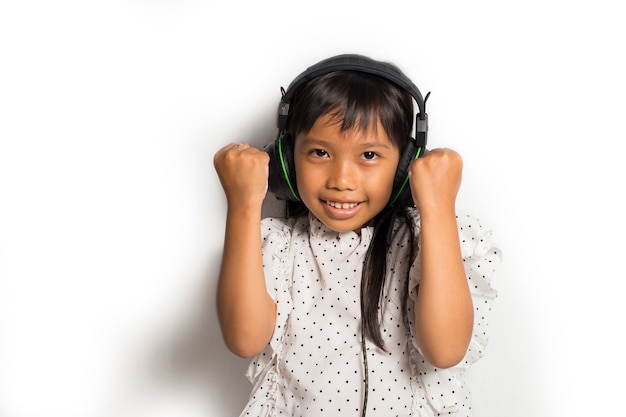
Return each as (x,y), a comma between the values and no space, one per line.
(406,179)
(282,164)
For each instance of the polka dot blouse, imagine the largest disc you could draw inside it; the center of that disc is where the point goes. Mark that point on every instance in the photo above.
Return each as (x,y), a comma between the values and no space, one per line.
(313,365)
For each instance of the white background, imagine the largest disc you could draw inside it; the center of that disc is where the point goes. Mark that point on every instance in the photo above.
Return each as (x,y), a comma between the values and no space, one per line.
(111,215)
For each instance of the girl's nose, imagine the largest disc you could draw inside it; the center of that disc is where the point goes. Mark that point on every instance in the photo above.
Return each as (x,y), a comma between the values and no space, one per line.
(342,175)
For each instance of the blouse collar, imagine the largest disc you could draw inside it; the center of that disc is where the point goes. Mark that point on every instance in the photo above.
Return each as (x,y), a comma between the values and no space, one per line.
(319,230)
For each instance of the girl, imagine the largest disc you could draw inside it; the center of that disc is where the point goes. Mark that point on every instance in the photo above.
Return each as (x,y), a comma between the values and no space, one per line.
(358,301)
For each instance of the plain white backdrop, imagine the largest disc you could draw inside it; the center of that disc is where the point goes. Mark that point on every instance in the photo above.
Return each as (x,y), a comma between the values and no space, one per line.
(111,215)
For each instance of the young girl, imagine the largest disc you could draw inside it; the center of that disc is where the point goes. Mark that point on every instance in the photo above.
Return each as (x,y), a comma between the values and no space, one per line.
(362,300)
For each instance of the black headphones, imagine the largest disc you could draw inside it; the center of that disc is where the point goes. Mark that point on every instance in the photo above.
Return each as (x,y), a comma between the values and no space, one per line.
(282,176)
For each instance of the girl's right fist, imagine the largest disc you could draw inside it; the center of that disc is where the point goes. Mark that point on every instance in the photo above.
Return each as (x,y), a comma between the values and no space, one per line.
(243,172)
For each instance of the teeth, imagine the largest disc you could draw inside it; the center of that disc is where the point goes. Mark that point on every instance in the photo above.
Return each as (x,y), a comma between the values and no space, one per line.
(344,206)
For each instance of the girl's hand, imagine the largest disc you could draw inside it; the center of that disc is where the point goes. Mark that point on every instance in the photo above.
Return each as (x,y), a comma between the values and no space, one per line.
(435,179)
(243,171)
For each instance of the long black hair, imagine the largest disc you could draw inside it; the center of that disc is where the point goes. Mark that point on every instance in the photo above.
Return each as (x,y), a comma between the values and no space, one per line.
(354,100)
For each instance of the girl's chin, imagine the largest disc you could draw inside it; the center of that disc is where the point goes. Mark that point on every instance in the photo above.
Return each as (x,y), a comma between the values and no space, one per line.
(342,228)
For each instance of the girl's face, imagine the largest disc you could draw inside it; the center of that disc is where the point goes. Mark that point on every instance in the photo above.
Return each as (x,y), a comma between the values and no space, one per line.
(344,178)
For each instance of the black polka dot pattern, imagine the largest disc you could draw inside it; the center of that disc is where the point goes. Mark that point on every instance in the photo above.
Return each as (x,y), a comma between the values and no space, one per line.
(313,365)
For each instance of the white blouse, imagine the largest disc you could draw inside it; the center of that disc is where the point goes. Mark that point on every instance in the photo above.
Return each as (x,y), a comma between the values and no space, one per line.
(313,365)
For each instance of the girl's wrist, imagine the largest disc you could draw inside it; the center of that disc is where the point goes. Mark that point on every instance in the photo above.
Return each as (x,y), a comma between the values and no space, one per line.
(437,210)
(245,210)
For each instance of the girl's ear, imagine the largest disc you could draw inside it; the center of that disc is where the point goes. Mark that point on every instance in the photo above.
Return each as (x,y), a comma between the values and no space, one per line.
(401,192)
(282,178)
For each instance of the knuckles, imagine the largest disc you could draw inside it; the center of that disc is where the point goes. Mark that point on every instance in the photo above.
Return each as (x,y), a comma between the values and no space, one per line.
(438,158)
(234,157)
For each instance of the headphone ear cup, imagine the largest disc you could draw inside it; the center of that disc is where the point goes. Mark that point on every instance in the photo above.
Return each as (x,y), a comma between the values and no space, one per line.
(401,193)
(282,175)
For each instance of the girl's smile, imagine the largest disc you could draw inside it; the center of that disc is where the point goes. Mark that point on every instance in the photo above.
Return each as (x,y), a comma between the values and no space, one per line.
(341,211)
(345,177)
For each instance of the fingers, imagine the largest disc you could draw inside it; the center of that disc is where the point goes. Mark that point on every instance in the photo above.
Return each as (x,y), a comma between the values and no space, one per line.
(236,159)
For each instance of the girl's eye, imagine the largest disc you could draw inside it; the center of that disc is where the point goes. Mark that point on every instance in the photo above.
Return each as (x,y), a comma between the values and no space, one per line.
(369,155)
(320,152)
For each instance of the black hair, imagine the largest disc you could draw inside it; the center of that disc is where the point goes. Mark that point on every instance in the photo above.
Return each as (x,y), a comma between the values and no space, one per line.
(356,101)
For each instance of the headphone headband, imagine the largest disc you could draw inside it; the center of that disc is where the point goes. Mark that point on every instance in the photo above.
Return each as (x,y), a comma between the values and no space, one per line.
(353,62)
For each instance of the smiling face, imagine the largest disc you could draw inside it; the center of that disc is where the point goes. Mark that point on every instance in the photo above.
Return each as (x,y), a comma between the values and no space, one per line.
(345,178)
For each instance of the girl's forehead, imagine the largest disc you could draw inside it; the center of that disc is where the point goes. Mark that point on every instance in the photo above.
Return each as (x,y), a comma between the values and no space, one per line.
(330,128)
(364,125)
(363,120)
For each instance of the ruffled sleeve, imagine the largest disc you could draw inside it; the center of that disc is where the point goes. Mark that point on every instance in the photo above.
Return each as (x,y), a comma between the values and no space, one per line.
(276,238)
(480,259)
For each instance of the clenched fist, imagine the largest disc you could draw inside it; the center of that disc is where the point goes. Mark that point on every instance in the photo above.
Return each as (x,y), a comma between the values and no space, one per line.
(435,179)
(243,171)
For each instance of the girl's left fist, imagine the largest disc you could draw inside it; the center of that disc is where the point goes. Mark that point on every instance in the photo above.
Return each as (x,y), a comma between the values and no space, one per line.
(435,179)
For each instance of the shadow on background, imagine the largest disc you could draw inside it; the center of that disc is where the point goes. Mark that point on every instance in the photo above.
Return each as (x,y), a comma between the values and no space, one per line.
(195,359)
(191,359)
(194,355)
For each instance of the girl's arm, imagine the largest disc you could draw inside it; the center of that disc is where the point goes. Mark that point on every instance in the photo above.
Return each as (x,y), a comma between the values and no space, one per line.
(444,313)
(246,312)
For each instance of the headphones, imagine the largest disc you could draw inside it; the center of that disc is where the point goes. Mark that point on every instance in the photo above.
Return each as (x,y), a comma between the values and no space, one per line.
(282,175)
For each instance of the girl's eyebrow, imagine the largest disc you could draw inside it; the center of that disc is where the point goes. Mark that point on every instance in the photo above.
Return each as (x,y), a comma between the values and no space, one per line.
(309,141)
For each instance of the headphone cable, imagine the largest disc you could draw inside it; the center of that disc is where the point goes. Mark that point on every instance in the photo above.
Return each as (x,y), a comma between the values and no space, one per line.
(364,347)
(364,350)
